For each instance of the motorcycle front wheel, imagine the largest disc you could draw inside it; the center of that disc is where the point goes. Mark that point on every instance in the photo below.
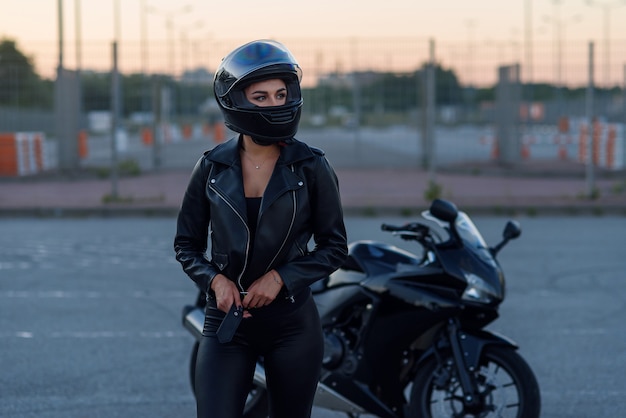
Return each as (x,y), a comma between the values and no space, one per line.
(507,387)
(256,402)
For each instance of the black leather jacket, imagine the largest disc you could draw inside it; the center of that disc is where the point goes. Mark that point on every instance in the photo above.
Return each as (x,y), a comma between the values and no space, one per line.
(301,201)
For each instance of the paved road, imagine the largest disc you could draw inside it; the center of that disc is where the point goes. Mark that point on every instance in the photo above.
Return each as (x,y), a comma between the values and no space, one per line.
(90,309)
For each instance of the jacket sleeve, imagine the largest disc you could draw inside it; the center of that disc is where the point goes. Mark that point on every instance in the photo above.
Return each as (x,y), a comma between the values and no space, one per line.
(192,226)
(329,233)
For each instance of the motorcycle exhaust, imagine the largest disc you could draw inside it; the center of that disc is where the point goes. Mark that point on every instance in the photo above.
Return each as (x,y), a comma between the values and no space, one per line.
(193,320)
(324,396)
(327,398)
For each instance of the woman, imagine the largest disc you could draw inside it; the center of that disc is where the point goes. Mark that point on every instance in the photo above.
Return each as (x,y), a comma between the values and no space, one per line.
(260,197)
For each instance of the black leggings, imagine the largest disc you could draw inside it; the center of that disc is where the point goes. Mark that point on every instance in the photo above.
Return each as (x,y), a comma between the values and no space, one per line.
(292,346)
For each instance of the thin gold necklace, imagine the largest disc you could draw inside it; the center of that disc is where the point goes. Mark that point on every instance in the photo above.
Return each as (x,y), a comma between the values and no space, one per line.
(257,166)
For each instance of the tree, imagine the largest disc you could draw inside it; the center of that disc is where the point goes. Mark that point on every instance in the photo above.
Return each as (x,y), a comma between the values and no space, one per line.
(20,86)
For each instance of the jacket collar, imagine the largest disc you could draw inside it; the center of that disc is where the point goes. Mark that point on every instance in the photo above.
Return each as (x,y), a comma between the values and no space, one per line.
(228,152)
(228,180)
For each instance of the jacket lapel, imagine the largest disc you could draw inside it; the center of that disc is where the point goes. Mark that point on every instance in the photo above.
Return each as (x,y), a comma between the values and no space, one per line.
(226,177)
(282,181)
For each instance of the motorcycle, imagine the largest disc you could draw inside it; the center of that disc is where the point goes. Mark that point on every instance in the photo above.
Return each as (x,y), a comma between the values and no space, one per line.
(405,334)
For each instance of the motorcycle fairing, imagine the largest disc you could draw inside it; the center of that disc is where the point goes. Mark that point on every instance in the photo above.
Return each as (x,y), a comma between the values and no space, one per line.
(373,258)
(332,302)
(420,295)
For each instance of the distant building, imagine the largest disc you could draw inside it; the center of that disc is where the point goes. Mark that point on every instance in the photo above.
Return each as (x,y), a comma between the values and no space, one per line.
(198,76)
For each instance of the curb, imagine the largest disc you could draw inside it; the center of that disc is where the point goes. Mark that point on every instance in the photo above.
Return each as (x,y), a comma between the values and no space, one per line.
(373,211)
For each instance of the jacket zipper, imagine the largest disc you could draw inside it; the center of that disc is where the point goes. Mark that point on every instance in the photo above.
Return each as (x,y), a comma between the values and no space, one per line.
(293,219)
(245,265)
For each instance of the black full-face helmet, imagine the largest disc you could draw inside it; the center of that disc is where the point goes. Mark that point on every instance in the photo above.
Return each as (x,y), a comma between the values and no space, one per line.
(253,62)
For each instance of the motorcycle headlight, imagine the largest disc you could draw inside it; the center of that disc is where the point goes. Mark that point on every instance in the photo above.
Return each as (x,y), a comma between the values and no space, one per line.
(478,290)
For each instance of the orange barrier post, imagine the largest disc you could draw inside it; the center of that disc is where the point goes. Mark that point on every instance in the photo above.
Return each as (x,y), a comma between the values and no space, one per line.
(21,153)
(83,147)
(525,151)
(146,136)
(495,150)
(38,145)
(610,147)
(187,131)
(563,131)
(582,144)
(218,132)
(561,140)
(24,156)
(595,145)
(562,152)
(563,125)
(8,155)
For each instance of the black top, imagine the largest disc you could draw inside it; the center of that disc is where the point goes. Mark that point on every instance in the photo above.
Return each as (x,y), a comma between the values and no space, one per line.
(282,304)
(253,205)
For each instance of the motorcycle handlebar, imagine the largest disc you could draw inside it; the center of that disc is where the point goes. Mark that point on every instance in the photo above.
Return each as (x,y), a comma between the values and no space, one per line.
(410,227)
(413,231)
(387,227)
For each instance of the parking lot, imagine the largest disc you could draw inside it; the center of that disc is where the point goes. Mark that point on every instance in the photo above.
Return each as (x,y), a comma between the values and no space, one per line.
(90,314)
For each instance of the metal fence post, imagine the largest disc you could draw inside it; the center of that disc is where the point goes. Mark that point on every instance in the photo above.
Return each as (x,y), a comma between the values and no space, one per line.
(429,150)
(157,123)
(356,101)
(115,88)
(590,120)
(507,114)
(66,117)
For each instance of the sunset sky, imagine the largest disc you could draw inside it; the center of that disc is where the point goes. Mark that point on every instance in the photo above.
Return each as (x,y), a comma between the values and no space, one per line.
(34,23)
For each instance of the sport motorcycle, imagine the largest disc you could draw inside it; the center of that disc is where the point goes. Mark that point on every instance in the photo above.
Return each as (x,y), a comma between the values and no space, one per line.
(405,333)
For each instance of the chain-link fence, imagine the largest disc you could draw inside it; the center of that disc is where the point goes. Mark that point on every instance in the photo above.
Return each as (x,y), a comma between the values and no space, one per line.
(371,88)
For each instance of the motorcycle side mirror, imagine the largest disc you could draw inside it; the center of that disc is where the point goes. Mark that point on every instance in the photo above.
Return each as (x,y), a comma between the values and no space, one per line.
(512,230)
(444,210)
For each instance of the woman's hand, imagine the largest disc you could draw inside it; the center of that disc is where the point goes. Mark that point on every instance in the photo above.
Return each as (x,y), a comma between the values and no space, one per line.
(263,291)
(226,293)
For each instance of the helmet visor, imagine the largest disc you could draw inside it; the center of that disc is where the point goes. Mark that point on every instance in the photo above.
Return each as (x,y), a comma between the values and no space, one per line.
(252,57)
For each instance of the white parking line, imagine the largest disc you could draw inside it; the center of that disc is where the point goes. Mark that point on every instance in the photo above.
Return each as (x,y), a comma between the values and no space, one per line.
(87,294)
(94,334)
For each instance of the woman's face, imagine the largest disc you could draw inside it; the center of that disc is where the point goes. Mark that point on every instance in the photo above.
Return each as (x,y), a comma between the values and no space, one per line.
(266,93)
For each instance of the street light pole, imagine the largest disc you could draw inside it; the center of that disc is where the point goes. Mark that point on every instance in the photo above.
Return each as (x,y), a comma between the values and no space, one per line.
(169,25)
(78,35)
(60,21)
(471,24)
(528,30)
(559,34)
(187,44)
(606,9)
(115,101)
(142,28)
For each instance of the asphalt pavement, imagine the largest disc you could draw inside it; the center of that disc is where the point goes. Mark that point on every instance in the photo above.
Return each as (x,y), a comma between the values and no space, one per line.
(90,314)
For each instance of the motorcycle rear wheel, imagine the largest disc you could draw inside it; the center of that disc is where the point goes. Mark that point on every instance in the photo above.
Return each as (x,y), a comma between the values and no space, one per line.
(256,402)
(507,385)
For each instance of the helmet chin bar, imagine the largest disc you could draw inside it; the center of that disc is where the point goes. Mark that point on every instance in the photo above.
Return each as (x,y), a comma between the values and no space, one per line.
(264,142)
(265,127)
(267,141)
